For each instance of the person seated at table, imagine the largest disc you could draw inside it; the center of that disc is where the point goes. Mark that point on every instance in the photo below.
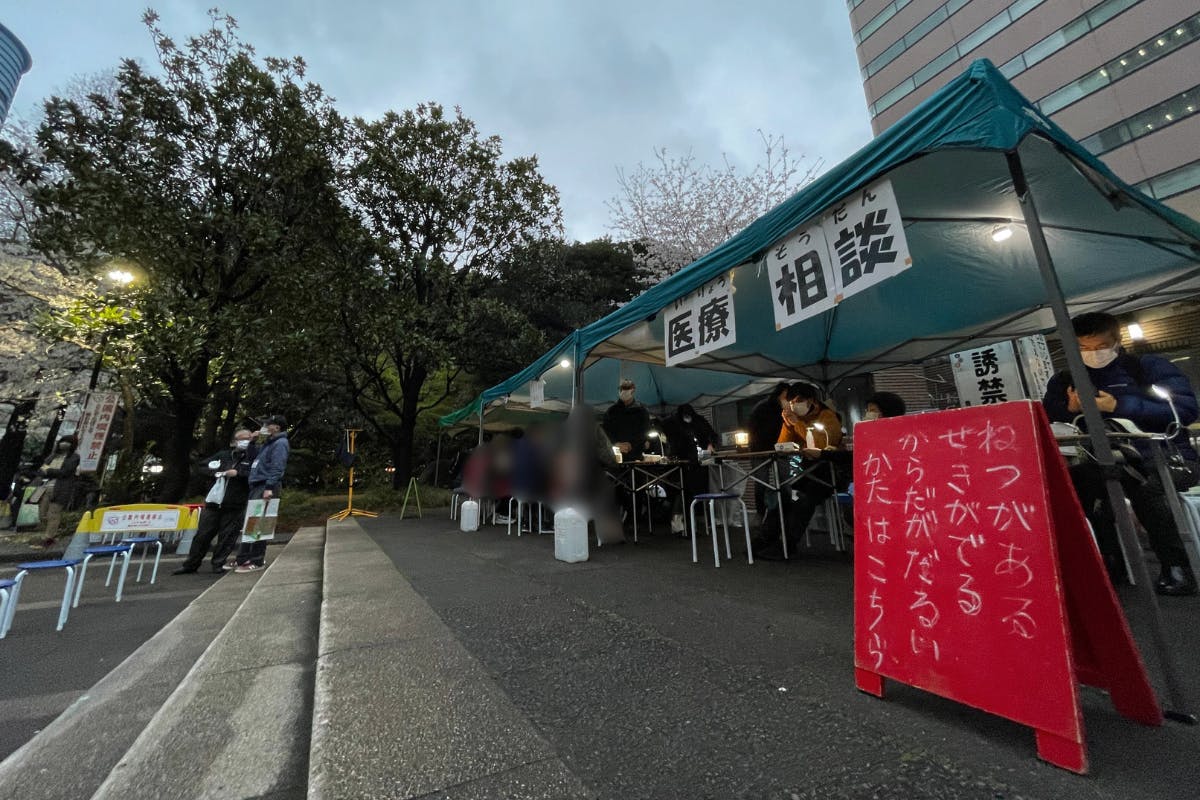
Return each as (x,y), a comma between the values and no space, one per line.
(627,422)
(1124,388)
(764,425)
(806,416)
(879,406)
(688,433)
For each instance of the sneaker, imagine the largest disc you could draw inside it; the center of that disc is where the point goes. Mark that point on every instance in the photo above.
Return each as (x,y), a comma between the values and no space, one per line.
(220,570)
(184,571)
(248,568)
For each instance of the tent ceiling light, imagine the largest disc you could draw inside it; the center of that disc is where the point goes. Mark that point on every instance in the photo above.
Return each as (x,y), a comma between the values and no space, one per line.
(1135,332)
(1001,233)
(565,363)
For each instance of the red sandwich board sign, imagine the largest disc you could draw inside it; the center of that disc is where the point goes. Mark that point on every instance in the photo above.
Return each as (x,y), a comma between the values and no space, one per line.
(976,577)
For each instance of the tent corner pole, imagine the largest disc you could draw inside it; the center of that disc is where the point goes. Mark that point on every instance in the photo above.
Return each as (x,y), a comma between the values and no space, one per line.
(437,459)
(1102,451)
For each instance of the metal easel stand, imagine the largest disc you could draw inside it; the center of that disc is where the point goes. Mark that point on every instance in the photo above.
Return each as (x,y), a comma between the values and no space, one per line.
(1178,703)
(414,492)
(350,510)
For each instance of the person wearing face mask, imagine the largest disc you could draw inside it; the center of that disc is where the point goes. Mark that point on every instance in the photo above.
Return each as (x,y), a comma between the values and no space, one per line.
(688,433)
(225,505)
(1123,384)
(815,427)
(627,422)
(266,480)
(59,491)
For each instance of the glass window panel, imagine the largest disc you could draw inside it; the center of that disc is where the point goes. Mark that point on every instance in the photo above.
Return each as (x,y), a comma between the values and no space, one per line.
(1177,181)
(1051,44)
(934,67)
(894,95)
(955,5)
(984,32)
(925,26)
(1022,7)
(1013,67)
(1108,139)
(1106,11)
(876,22)
(886,57)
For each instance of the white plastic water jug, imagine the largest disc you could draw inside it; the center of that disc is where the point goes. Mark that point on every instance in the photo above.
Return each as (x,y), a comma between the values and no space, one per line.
(468,515)
(570,536)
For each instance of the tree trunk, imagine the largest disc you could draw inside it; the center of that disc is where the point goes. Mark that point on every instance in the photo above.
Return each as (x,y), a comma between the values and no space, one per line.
(13,443)
(402,449)
(188,402)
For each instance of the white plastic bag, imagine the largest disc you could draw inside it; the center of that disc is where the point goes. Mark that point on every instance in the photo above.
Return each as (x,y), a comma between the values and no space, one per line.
(216,495)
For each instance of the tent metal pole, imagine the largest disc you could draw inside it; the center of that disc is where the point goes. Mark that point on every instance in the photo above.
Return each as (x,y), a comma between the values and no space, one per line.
(1176,694)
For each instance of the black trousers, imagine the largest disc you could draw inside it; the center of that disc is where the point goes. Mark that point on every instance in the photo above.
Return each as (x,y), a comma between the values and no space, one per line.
(222,523)
(1149,501)
(811,492)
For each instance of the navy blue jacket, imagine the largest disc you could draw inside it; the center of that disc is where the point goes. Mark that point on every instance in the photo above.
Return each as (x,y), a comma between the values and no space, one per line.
(1135,401)
(267,469)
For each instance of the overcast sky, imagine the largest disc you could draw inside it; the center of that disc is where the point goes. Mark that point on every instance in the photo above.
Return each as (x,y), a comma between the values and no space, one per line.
(586,86)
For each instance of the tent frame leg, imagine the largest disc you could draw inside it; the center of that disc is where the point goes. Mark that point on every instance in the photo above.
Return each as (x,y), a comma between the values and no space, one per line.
(1177,696)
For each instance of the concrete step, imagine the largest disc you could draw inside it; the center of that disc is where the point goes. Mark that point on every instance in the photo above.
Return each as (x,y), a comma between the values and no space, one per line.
(73,755)
(237,724)
(401,709)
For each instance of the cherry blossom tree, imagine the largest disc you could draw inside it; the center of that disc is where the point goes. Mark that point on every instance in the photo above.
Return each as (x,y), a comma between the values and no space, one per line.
(677,209)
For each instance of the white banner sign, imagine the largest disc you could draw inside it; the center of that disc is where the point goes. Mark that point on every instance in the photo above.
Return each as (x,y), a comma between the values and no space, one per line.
(125,521)
(700,322)
(1036,363)
(93,428)
(987,375)
(858,243)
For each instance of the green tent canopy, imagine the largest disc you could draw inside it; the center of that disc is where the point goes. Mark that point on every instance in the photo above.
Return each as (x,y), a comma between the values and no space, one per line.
(948,162)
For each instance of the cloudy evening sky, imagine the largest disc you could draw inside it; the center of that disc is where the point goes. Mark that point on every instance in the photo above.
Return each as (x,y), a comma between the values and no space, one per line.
(587,86)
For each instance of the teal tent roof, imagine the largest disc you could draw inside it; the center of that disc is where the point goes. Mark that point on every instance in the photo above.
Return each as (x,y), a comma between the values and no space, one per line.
(1114,249)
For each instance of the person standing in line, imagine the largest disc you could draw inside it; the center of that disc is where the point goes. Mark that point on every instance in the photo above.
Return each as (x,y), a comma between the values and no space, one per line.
(222,516)
(765,423)
(59,491)
(266,481)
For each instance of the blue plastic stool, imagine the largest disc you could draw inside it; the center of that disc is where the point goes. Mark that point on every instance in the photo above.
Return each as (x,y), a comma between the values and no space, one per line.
(69,565)
(146,540)
(10,589)
(712,498)
(121,551)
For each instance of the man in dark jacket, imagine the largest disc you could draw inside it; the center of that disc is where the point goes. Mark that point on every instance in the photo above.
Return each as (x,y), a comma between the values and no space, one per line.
(222,519)
(766,420)
(266,480)
(1123,384)
(627,422)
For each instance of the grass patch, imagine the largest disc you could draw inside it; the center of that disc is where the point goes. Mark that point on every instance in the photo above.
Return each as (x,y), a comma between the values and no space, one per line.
(302,509)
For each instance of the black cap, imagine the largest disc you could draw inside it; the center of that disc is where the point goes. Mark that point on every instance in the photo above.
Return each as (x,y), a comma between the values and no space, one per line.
(277,419)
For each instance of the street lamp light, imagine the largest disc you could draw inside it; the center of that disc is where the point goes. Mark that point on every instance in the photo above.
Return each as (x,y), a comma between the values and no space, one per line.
(121,277)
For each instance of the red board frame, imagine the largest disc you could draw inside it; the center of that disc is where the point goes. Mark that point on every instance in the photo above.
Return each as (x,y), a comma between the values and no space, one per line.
(977,578)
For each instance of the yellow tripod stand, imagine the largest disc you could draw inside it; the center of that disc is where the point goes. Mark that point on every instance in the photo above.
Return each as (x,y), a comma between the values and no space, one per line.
(350,510)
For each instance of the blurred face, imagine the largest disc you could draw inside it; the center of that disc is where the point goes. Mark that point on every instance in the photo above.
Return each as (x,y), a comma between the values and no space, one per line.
(241,439)
(873,411)
(271,428)
(626,394)
(801,407)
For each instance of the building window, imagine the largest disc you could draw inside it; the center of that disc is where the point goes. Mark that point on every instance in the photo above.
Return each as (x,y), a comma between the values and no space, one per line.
(1177,181)
(1166,113)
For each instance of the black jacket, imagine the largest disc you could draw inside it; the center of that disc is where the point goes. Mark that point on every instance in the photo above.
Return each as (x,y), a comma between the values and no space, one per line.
(628,423)
(684,437)
(766,421)
(65,479)
(237,489)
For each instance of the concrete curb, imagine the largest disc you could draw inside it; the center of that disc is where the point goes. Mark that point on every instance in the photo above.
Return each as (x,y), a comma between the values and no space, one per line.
(236,726)
(92,733)
(400,708)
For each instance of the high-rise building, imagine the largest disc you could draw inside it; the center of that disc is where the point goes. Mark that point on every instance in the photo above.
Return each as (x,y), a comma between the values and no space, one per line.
(1121,76)
(14,62)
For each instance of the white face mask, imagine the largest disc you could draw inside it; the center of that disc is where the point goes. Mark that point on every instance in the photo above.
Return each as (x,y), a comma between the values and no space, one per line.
(242,444)
(687,418)
(1099,359)
(263,431)
(801,408)
(626,395)
(870,415)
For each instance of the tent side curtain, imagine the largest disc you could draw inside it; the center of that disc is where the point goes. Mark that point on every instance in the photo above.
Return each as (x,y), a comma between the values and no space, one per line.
(979,110)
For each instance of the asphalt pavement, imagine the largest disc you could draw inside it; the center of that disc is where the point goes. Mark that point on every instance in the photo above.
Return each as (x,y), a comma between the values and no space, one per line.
(654,677)
(44,671)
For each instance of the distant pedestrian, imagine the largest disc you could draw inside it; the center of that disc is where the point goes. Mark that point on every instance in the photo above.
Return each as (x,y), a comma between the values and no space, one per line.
(266,481)
(59,490)
(225,505)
